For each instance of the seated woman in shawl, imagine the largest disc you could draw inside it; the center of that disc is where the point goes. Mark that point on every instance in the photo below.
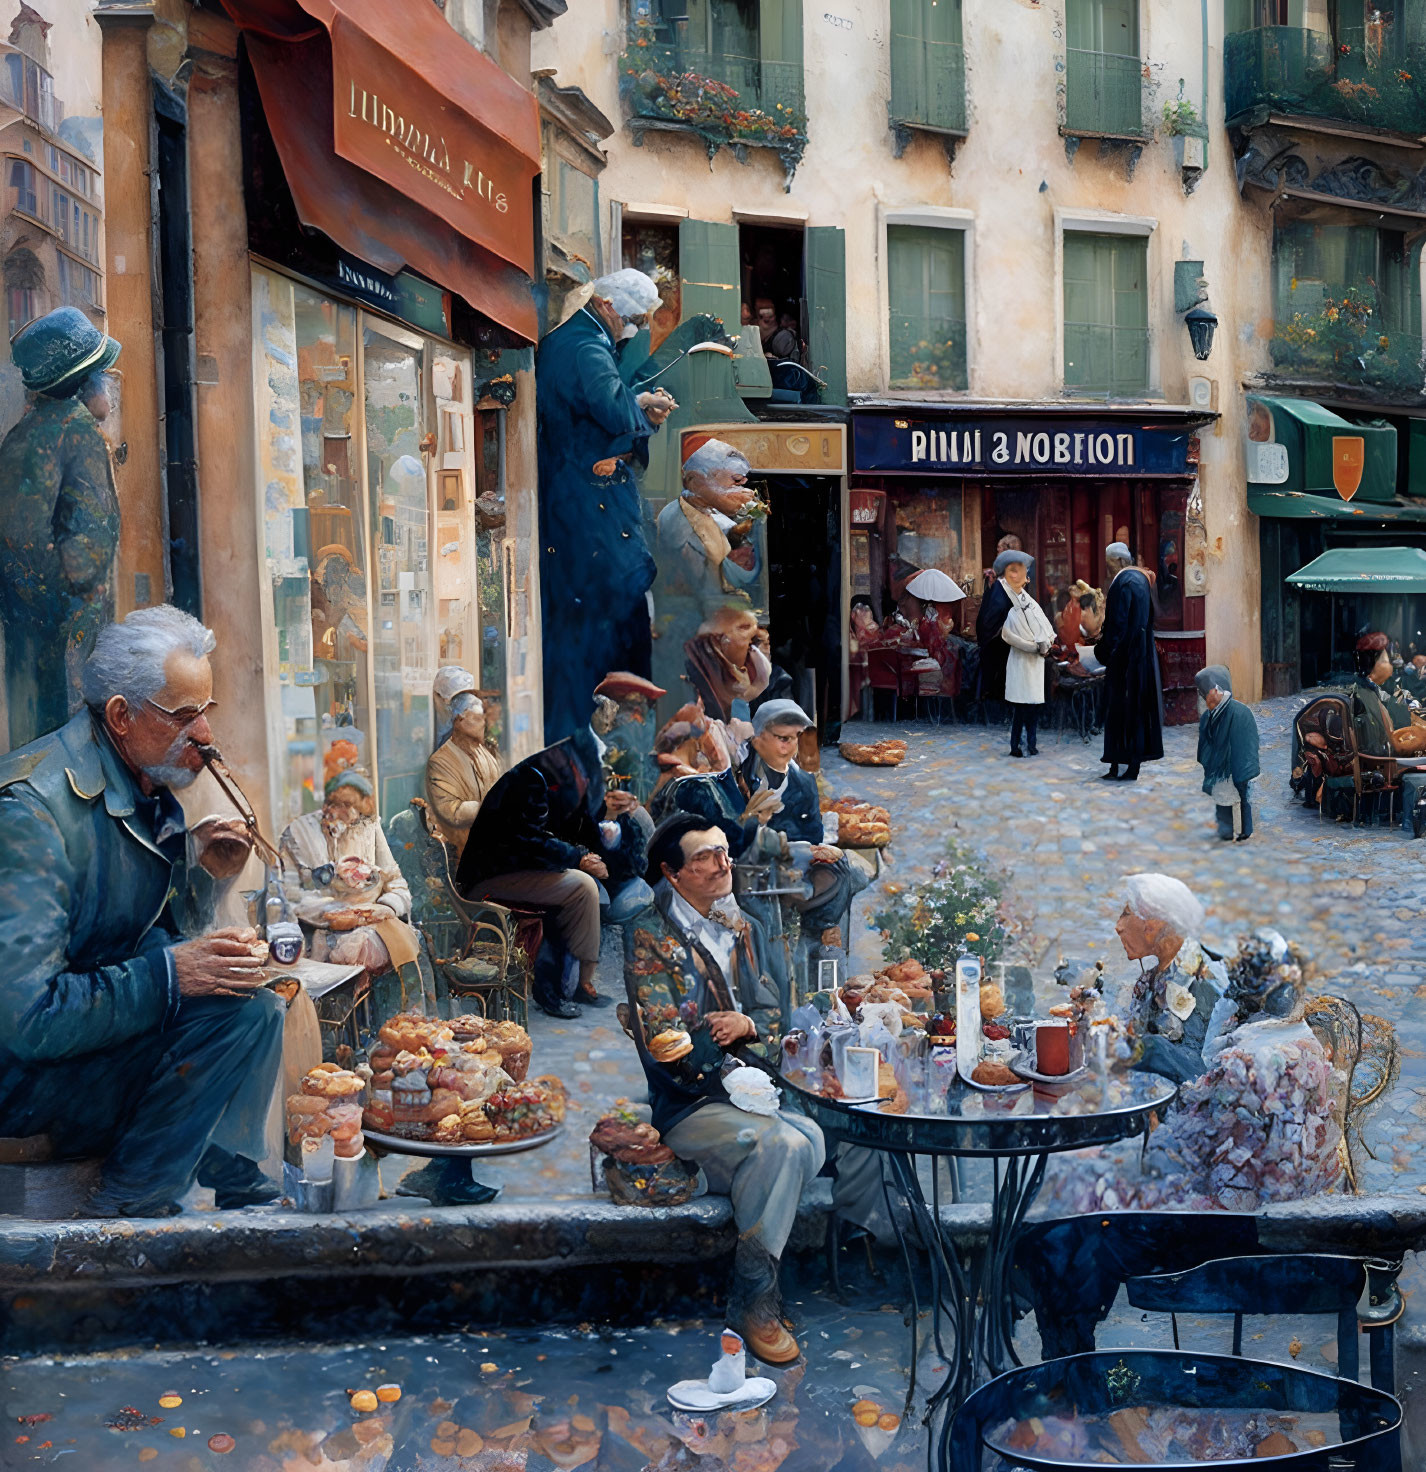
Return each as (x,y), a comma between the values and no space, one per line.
(724,662)
(342,883)
(1227,752)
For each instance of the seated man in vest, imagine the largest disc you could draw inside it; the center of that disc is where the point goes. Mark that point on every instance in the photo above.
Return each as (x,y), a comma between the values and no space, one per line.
(699,992)
(118,1037)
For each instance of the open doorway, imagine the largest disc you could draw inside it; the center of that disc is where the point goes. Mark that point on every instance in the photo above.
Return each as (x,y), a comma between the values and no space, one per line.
(773,289)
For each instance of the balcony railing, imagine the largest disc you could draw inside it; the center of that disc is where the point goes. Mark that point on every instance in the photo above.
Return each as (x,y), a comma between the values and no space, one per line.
(1107,362)
(1302,73)
(729,101)
(928,84)
(928,352)
(1346,342)
(1104,94)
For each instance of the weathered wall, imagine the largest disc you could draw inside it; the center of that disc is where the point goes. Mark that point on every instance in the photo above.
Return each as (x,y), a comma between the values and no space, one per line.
(1012,175)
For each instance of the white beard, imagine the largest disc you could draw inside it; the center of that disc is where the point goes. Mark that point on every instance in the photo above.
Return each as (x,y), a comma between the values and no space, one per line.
(170,772)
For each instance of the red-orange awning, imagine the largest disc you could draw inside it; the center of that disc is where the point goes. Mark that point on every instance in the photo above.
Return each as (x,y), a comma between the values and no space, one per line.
(402,142)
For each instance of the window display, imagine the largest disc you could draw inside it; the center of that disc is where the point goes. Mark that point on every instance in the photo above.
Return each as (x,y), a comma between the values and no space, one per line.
(364,453)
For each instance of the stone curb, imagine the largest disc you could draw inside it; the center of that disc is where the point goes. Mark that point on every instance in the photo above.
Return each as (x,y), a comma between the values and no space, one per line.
(234,1247)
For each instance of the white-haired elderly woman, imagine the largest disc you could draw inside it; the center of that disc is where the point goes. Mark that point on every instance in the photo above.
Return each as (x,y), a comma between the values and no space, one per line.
(595,566)
(1171,1010)
(1030,636)
(343,883)
(461,771)
(710,540)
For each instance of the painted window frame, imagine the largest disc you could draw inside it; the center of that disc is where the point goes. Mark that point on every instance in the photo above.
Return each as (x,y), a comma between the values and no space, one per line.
(1109,222)
(936,217)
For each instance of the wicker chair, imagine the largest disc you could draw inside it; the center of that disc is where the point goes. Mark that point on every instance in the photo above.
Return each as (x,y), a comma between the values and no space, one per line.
(475,946)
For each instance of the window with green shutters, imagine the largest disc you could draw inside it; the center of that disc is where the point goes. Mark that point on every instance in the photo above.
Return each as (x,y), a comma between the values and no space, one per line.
(928,72)
(926,280)
(1104,85)
(1347,304)
(1106,314)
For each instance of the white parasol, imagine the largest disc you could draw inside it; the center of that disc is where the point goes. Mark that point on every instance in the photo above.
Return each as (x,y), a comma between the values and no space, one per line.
(931,585)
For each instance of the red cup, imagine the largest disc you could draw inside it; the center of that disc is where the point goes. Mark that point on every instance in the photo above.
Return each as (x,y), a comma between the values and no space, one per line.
(1052,1048)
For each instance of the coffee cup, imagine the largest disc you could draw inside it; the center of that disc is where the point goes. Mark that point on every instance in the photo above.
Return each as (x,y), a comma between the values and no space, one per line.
(1052,1048)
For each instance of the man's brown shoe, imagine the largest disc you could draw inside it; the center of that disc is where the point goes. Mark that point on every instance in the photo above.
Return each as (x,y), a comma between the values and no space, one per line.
(770,1341)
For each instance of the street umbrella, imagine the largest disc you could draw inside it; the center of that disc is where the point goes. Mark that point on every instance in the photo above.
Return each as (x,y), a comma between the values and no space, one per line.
(931,585)
(1364,570)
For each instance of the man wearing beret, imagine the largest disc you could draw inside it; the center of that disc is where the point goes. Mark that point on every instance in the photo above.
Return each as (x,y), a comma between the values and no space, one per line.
(59,520)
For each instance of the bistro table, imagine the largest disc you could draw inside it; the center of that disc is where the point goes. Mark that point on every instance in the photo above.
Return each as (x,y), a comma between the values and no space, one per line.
(1017,1132)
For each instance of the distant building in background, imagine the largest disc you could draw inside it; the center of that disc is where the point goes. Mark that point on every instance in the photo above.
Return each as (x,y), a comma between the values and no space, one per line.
(52,234)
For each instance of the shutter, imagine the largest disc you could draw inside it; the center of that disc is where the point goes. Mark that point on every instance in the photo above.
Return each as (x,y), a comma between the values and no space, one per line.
(826,277)
(709,268)
(780,44)
(908,61)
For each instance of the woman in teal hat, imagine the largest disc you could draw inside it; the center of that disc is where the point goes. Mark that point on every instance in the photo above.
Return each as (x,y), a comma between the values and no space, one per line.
(59,520)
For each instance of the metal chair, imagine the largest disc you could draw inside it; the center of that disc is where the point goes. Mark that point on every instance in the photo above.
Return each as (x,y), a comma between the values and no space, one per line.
(1295,1283)
(474,946)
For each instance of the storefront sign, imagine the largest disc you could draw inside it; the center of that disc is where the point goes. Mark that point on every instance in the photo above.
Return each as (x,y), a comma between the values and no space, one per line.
(796,449)
(404,295)
(393,121)
(993,446)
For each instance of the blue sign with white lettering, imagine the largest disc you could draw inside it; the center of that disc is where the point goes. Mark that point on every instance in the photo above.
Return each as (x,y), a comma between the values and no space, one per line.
(900,444)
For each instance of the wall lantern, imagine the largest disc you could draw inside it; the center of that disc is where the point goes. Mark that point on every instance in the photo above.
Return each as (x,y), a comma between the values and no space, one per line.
(1200,322)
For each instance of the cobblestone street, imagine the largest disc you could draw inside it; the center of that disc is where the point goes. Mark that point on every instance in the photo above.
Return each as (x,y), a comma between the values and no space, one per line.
(1354,899)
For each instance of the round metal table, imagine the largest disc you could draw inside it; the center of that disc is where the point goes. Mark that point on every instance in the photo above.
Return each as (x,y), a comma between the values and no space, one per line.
(971,1300)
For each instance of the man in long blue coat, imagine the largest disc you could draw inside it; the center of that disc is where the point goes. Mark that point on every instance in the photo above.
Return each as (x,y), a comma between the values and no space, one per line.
(595,565)
(1133,692)
(119,1039)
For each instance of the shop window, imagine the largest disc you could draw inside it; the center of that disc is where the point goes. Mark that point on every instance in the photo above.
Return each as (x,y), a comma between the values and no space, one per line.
(24,195)
(926,291)
(362,604)
(653,249)
(1103,80)
(1347,304)
(1106,314)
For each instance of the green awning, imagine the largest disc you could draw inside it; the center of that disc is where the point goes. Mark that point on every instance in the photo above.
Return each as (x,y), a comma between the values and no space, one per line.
(1307,429)
(1364,570)
(1273,501)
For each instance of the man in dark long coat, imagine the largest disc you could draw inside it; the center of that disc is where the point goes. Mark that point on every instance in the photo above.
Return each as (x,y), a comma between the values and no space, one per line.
(1133,708)
(595,565)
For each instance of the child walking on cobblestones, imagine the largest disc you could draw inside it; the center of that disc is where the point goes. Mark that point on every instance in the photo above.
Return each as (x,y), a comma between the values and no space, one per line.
(1227,752)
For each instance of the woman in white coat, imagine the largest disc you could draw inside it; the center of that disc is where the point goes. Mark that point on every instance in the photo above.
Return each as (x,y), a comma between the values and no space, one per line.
(1030,635)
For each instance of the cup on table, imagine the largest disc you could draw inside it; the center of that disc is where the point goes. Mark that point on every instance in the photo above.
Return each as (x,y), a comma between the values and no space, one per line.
(1052,1048)
(284,942)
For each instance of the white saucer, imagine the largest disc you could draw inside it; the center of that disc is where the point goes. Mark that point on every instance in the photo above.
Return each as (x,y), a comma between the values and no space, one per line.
(694,1395)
